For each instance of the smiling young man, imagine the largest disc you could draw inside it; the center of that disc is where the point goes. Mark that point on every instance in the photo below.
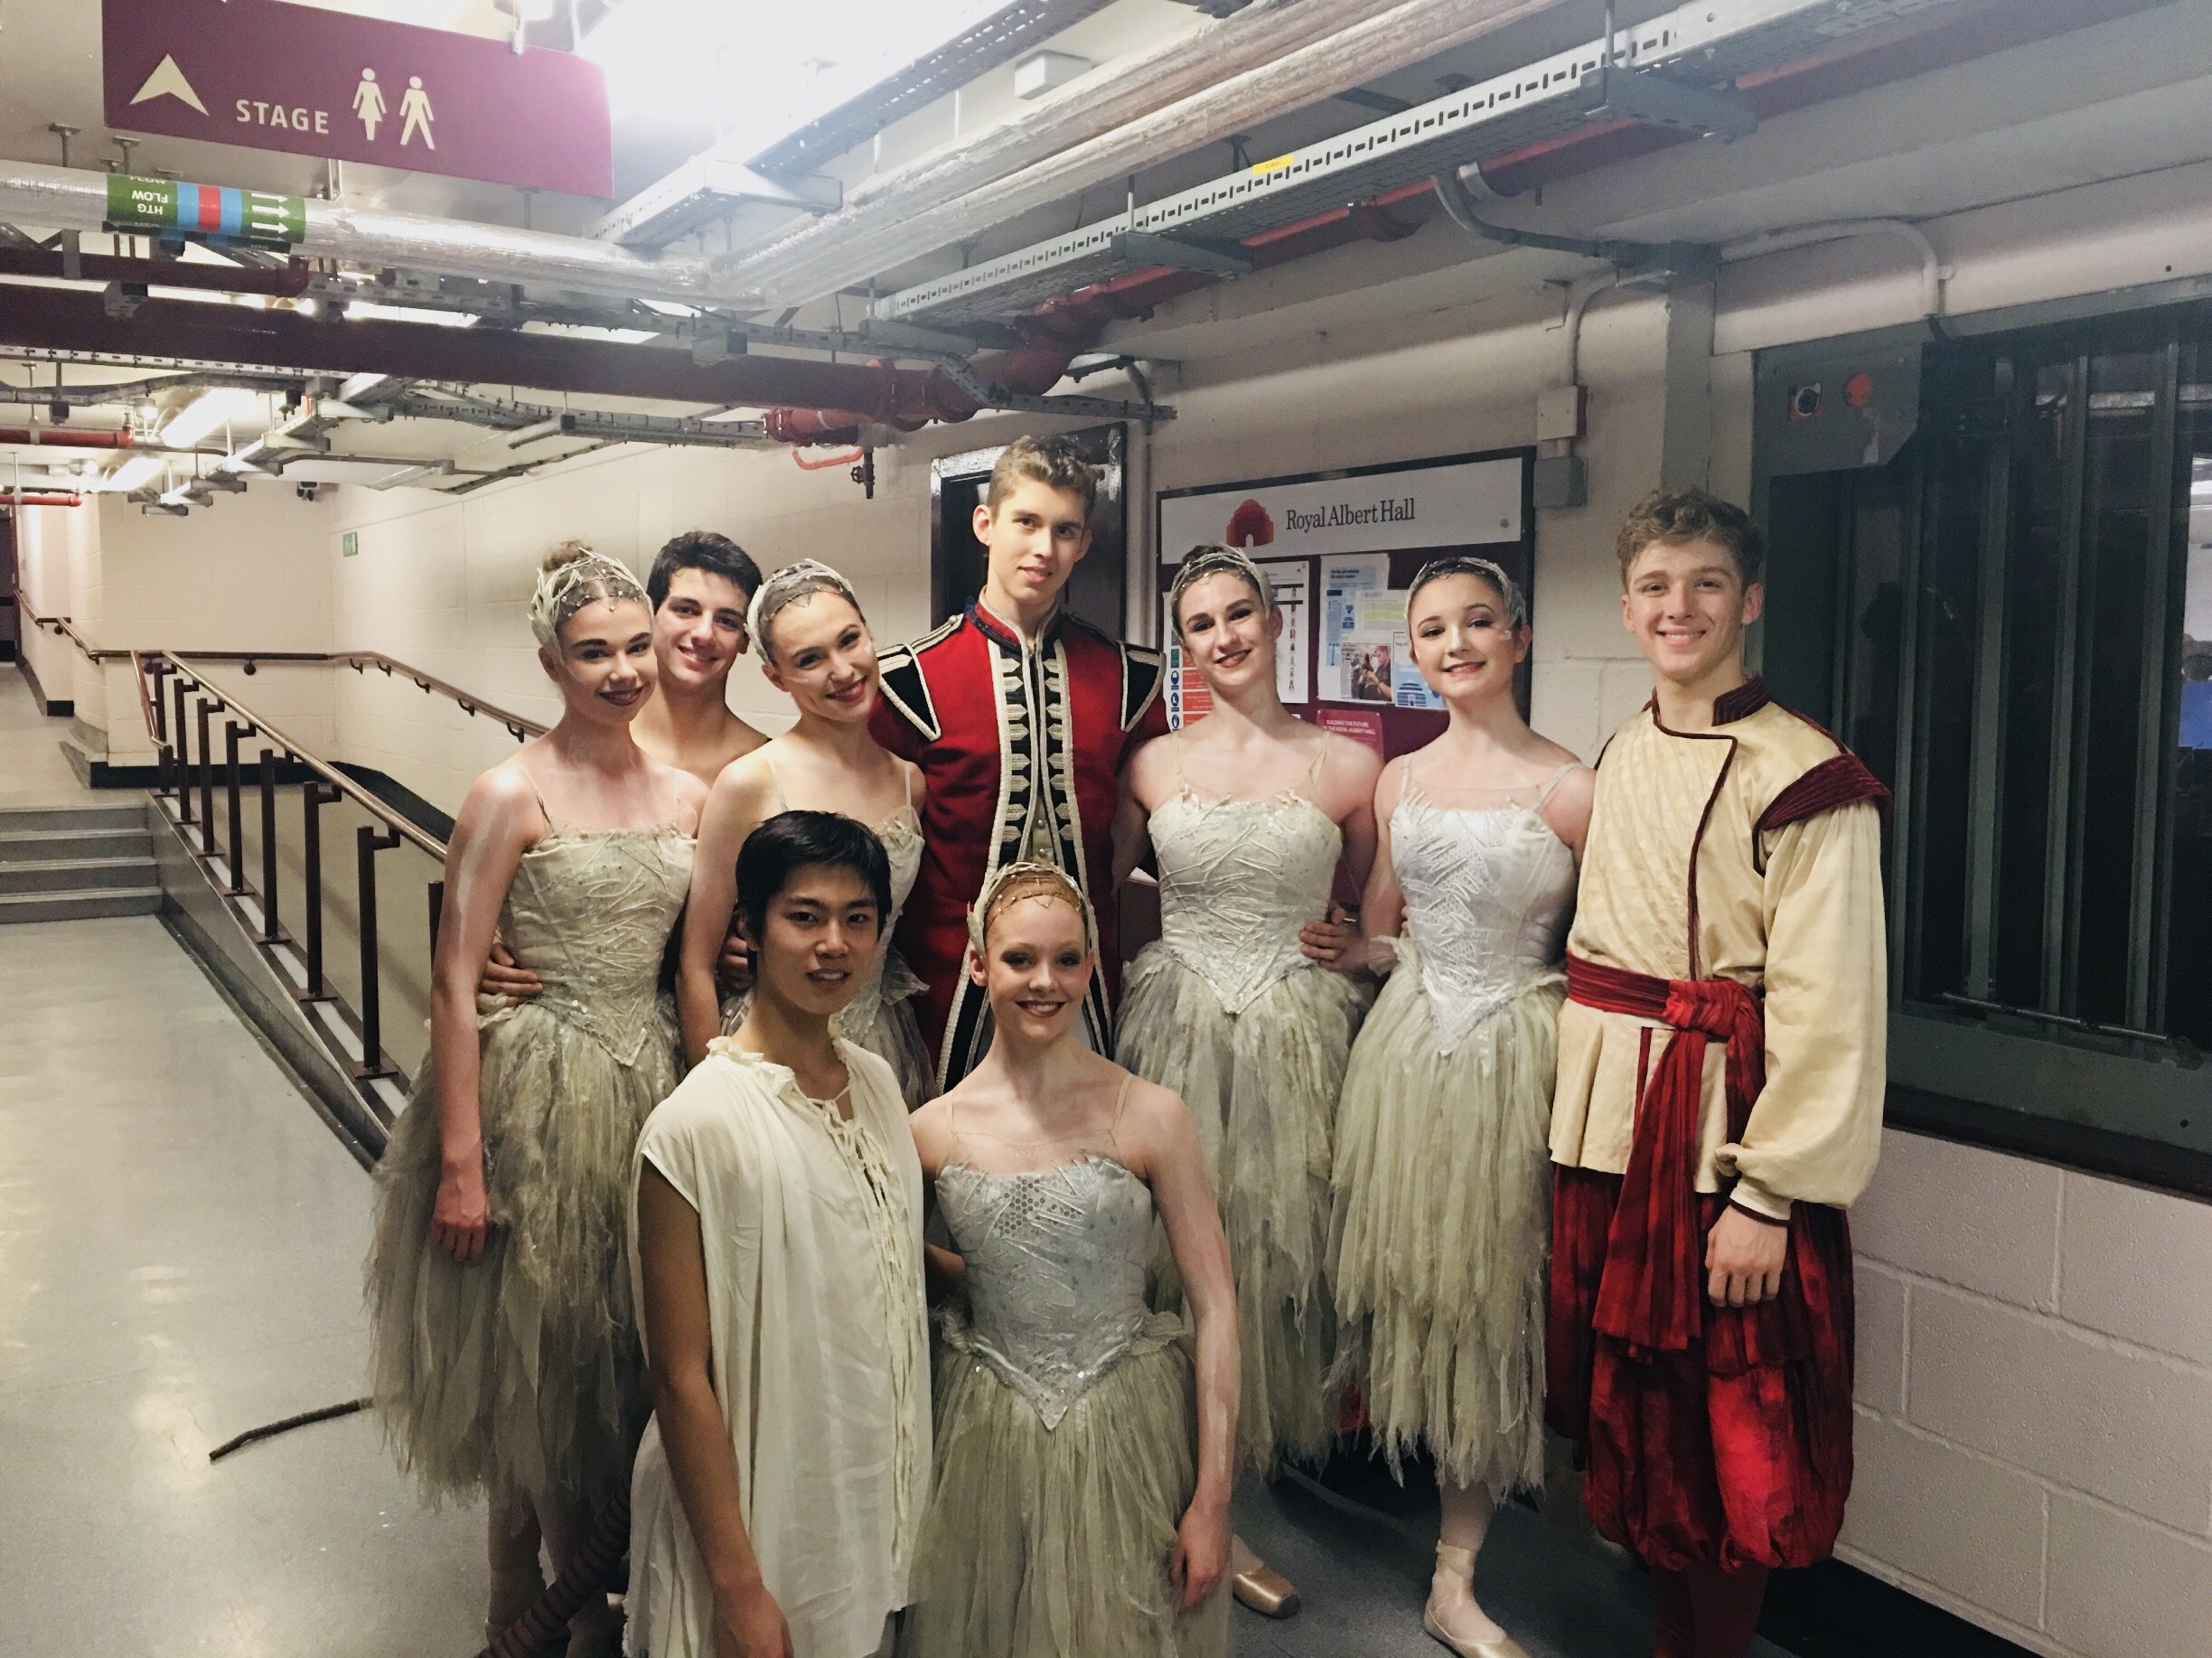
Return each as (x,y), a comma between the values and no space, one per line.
(699,586)
(1721,1065)
(1020,716)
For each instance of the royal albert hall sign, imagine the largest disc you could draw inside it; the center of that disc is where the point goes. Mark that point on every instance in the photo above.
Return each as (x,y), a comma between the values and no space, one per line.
(272,75)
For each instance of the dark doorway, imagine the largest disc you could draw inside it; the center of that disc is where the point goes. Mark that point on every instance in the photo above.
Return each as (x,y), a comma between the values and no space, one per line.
(1095,591)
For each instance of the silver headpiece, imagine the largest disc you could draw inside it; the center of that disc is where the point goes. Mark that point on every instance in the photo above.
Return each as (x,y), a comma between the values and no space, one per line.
(1038,880)
(567,586)
(787,586)
(1211,558)
(1462,564)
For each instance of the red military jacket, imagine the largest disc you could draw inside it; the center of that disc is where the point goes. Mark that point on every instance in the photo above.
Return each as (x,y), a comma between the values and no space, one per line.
(1023,750)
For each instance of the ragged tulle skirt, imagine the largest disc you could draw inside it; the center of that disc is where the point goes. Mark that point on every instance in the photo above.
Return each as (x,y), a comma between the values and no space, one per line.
(1262,1088)
(1054,1542)
(1440,1240)
(523,1371)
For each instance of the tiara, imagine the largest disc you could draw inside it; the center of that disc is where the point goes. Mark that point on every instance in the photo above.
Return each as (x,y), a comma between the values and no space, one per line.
(1044,875)
(1464,563)
(787,586)
(1210,558)
(569,587)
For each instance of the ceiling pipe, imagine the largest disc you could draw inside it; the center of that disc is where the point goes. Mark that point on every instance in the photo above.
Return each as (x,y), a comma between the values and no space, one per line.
(73,320)
(288,282)
(69,198)
(28,500)
(1918,46)
(1263,61)
(91,395)
(62,438)
(1934,273)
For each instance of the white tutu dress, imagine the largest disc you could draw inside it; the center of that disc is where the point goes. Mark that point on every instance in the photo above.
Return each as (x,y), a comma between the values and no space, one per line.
(1441,1231)
(1228,1012)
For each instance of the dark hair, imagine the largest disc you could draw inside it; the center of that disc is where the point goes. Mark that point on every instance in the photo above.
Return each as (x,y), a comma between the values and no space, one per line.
(702,549)
(1692,515)
(1054,461)
(793,841)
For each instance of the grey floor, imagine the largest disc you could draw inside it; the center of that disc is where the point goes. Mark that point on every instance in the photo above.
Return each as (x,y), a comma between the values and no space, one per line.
(180,1242)
(32,771)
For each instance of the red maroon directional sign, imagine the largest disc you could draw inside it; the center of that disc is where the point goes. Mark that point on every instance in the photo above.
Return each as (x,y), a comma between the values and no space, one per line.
(271,75)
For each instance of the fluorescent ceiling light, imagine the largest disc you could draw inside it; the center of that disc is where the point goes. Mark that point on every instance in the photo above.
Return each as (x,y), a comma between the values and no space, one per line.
(139,469)
(205,413)
(763,71)
(356,308)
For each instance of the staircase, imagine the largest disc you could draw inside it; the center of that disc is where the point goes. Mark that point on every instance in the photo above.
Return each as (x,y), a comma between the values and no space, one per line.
(68,863)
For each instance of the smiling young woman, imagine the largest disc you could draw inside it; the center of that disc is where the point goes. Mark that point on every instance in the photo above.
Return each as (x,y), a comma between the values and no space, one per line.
(817,649)
(506,1361)
(1080,1507)
(1437,1257)
(1235,1008)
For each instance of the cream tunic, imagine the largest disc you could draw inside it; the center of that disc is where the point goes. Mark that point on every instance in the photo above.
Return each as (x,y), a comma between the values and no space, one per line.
(812,1229)
(1679,882)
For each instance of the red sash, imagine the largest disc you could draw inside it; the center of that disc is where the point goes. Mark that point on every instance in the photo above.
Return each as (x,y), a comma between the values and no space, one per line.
(1652,1292)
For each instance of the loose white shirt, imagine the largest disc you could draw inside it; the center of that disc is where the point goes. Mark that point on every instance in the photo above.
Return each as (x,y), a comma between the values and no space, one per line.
(811,1226)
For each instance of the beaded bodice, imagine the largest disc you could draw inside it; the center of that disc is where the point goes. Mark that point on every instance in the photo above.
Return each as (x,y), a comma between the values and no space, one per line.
(1238,879)
(1055,1271)
(1488,892)
(590,911)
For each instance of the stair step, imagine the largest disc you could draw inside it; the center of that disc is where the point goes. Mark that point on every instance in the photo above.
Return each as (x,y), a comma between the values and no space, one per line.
(40,846)
(78,906)
(76,875)
(125,814)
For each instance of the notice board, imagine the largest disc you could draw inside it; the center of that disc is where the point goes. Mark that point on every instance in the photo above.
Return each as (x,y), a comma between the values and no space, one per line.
(1340,549)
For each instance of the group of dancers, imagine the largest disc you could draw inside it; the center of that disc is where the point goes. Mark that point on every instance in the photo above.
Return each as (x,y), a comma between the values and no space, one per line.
(699,1146)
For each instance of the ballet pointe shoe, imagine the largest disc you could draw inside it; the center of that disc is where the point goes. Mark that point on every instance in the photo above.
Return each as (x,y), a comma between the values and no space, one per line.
(1258,1586)
(1455,1569)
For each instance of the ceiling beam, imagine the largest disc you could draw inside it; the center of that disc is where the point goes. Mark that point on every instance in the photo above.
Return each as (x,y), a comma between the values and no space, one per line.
(64,320)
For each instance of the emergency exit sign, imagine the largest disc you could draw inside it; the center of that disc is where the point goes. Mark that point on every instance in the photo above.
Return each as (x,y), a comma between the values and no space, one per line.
(273,75)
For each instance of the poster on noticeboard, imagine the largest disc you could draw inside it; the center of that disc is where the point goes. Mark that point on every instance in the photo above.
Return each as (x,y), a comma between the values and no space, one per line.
(1340,551)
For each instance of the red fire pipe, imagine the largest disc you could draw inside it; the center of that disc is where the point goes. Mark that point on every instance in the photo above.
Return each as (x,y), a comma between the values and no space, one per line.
(65,437)
(28,500)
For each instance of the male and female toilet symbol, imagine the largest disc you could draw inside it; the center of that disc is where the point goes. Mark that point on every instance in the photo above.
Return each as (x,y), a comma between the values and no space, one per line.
(415,112)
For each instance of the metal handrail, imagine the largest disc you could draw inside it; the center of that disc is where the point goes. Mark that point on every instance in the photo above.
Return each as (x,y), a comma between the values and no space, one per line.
(60,626)
(295,752)
(520,724)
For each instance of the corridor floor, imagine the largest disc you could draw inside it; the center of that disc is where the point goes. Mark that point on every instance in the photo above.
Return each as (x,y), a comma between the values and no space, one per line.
(180,1242)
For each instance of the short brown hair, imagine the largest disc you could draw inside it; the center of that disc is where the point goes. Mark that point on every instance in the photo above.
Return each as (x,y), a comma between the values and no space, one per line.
(1054,461)
(1692,515)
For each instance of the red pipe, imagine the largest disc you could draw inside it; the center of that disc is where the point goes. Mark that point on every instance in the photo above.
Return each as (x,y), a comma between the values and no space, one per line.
(62,438)
(8,498)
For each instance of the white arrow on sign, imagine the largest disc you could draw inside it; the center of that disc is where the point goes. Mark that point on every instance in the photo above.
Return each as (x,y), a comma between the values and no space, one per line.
(167,80)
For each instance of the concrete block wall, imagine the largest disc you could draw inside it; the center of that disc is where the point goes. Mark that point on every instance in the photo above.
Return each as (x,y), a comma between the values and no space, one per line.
(2035,1401)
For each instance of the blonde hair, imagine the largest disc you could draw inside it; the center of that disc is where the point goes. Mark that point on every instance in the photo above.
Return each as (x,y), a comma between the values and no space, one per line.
(1210,558)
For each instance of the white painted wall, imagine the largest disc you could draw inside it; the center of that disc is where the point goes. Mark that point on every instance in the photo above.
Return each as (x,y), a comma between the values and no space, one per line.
(44,536)
(2035,1401)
